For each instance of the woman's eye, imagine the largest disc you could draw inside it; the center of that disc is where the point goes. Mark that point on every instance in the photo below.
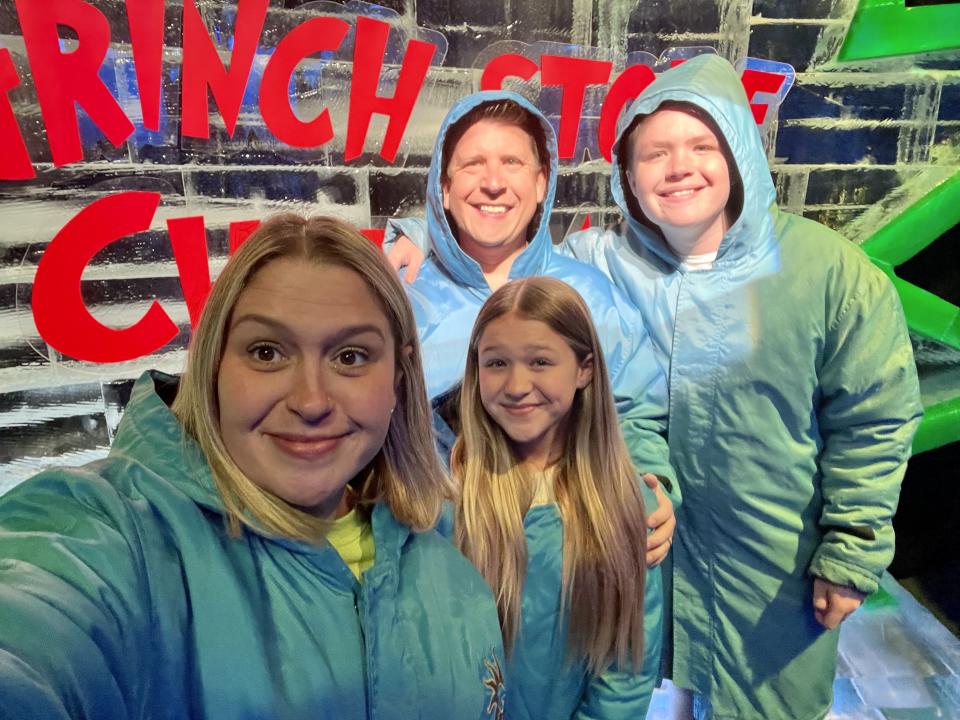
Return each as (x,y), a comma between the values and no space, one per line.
(352,357)
(541,362)
(264,353)
(495,363)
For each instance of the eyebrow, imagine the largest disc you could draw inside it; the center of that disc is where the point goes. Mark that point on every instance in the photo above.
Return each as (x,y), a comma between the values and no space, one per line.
(695,139)
(524,348)
(340,335)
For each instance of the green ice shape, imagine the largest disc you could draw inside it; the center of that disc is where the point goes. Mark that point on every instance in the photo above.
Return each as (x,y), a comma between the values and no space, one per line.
(881,599)
(881,28)
(927,314)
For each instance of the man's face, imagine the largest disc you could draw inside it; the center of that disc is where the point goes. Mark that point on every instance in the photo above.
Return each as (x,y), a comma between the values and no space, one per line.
(679,175)
(492,186)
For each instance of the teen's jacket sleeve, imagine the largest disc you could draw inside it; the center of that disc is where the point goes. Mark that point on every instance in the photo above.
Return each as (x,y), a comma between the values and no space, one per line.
(638,382)
(868,413)
(616,695)
(621,694)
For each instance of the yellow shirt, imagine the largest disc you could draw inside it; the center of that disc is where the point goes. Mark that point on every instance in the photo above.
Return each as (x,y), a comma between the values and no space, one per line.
(352,537)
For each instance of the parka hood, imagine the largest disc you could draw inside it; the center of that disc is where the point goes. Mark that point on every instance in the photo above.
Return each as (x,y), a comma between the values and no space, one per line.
(712,84)
(460,266)
(150,432)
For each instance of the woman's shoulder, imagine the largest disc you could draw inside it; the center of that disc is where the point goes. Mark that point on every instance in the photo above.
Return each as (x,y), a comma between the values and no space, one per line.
(92,489)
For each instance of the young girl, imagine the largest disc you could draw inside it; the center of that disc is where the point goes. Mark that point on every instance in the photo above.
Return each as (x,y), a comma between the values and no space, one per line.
(550,509)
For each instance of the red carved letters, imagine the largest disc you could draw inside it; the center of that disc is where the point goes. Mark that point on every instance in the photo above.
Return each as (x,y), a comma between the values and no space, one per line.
(203,69)
(145,18)
(64,79)
(324,33)
(58,309)
(371,42)
(14,161)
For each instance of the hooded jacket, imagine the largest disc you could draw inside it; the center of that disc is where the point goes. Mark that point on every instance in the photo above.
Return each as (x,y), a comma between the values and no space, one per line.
(447,296)
(793,404)
(122,596)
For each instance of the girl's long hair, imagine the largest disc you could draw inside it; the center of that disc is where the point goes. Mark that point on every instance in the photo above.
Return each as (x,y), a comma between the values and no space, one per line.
(405,474)
(596,486)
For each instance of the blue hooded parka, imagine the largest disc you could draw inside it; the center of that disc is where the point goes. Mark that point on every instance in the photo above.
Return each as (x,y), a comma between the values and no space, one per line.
(793,403)
(447,296)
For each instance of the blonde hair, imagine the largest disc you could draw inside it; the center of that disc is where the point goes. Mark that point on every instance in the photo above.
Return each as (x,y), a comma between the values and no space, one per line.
(604,528)
(405,474)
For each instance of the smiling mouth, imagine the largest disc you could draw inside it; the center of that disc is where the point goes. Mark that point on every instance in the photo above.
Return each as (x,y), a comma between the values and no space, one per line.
(306,447)
(680,194)
(520,410)
(492,209)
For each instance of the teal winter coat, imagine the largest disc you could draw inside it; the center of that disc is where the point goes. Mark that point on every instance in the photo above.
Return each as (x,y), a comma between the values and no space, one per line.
(544,683)
(793,403)
(122,596)
(447,296)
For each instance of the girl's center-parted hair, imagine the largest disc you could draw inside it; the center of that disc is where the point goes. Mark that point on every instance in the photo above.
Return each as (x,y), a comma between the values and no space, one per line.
(625,159)
(405,474)
(596,486)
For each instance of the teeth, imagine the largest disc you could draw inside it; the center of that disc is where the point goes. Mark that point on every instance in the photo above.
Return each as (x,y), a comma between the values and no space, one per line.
(493,209)
(681,193)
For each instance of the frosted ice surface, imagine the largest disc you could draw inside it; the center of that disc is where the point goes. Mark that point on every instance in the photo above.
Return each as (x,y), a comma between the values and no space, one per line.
(897,662)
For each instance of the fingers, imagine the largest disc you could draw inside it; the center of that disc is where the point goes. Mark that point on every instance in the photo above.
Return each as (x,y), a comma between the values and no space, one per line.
(661,522)
(659,542)
(657,554)
(832,604)
(663,515)
(820,603)
(819,594)
(404,254)
(833,616)
(658,517)
(651,480)
(397,256)
(413,268)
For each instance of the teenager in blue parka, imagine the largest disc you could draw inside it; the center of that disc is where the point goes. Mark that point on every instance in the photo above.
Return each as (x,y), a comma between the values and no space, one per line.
(793,397)
(262,549)
(490,191)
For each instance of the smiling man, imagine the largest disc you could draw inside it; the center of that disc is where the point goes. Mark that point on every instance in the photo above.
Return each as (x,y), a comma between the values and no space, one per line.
(489,195)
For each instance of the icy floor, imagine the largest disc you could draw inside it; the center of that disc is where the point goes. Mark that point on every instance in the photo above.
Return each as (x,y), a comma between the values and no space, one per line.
(897,662)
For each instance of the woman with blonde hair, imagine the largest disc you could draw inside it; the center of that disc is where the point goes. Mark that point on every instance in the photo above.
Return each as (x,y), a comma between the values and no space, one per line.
(550,510)
(257,544)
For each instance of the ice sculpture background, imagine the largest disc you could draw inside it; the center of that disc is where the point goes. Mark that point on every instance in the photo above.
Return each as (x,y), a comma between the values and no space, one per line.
(855,145)
(867,141)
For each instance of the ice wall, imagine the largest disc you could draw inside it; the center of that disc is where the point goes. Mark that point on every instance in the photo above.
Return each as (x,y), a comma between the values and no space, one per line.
(851,147)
